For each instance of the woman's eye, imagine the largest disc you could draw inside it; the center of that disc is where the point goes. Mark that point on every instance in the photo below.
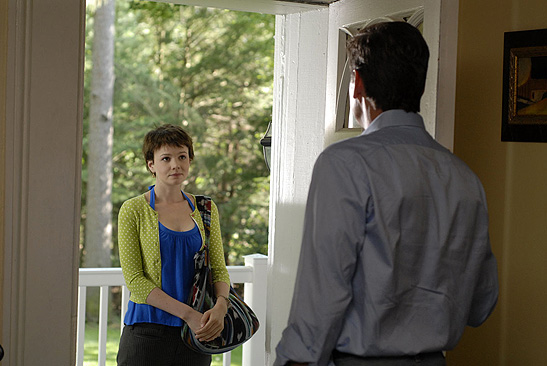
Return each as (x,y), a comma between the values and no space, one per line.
(165,159)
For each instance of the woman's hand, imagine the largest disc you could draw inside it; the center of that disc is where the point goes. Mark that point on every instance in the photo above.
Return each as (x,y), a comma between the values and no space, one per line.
(205,326)
(212,322)
(193,320)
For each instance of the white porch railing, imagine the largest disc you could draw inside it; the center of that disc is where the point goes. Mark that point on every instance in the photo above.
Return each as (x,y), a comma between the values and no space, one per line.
(253,275)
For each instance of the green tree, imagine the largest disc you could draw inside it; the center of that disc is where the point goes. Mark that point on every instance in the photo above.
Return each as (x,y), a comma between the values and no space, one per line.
(210,71)
(100,139)
(98,218)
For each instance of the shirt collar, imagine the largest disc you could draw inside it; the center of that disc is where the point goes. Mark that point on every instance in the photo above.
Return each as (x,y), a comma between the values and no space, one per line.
(395,118)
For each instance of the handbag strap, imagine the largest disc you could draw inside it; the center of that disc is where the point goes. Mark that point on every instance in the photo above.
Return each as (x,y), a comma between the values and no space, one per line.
(203,204)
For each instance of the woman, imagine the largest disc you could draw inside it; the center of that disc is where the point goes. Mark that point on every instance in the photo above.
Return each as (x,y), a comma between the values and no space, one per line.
(158,234)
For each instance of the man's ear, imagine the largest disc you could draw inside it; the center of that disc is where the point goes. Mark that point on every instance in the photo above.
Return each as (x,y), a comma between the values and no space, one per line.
(359,88)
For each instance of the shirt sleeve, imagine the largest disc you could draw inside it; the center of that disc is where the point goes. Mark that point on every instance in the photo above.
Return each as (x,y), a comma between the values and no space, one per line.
(485,296)
(216,250)
(131,259)
(334,230)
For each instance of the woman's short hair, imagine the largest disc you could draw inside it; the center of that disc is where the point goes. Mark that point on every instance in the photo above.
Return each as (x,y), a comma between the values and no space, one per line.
(169,135)
(391,59)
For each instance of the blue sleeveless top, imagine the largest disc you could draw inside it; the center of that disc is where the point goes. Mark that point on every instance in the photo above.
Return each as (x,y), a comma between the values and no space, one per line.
(177,271)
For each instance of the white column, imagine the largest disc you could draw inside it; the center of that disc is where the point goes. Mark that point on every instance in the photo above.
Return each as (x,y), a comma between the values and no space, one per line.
(298,130)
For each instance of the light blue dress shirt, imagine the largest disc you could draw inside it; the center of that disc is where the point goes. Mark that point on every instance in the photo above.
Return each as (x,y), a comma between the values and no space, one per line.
(396,257)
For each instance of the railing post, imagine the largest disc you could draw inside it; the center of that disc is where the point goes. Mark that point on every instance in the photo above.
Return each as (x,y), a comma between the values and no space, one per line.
(227,358)
(80,337)
(255,296)
(253,275)
(103,324)
(125,299)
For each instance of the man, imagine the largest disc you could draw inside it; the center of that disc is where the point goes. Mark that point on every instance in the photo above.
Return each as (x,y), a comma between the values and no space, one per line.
(396,257)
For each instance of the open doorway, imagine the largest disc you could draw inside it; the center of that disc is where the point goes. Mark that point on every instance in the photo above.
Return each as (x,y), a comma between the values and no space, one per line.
(207,70)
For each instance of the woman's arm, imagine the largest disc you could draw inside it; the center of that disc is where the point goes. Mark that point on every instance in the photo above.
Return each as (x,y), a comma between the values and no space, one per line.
(216,249)
(222,291)
(129,246)
(159,299)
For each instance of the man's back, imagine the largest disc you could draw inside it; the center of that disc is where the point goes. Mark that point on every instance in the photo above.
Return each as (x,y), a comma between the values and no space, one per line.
(395,236)
(426,238)
(396,233)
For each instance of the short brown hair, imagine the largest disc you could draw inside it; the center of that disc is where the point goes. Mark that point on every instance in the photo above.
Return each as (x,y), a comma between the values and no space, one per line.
(169,135)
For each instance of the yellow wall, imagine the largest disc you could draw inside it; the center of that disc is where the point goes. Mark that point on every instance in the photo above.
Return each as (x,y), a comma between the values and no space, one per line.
(515,179)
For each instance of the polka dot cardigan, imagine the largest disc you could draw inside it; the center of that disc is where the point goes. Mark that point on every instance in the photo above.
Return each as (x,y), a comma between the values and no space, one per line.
(139,247)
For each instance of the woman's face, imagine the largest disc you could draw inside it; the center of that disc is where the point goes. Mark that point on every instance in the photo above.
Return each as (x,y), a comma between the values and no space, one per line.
(171,164)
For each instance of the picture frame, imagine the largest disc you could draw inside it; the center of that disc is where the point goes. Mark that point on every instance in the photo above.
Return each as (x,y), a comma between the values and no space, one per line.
(524,114)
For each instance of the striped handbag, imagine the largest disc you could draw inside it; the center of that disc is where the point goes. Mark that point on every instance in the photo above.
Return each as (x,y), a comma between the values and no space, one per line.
(240,322)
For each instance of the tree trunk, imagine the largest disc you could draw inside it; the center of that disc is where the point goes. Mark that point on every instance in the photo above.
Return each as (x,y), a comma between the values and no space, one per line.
(98,230)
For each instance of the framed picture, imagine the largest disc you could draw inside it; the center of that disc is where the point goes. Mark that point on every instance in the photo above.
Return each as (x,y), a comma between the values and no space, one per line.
(525,86)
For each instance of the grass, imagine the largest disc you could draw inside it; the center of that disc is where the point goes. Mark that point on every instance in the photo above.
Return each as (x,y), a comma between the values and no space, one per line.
(91,347)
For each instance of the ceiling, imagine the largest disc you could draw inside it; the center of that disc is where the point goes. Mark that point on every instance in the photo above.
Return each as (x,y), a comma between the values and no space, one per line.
(312,2)
(278,7)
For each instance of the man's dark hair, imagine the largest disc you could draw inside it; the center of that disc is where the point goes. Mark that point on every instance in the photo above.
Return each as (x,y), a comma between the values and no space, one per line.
(391,59)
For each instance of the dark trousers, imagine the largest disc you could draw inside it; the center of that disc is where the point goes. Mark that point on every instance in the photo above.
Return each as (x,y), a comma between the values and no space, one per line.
(423,359)
(148,344)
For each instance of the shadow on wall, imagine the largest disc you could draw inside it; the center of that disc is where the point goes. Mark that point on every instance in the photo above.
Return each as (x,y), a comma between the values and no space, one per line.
(288,228)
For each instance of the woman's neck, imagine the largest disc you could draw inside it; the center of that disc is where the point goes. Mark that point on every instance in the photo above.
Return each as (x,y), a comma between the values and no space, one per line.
(168,194)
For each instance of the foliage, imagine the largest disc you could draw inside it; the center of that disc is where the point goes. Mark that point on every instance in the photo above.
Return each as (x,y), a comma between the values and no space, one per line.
(211,71)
